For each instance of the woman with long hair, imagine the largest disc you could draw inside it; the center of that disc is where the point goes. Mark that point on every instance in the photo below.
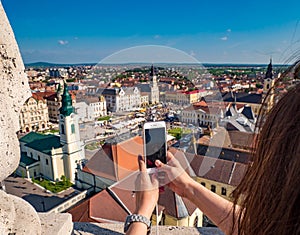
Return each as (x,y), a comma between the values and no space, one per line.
(268,197)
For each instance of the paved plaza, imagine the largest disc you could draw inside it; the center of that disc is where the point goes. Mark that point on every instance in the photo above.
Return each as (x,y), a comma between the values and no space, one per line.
(38,197)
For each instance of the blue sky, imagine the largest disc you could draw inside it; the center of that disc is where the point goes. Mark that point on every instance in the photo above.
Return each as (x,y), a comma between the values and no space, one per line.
(65,31)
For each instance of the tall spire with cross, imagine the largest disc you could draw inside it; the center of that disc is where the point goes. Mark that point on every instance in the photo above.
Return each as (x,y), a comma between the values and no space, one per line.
(269,73)
(154,98)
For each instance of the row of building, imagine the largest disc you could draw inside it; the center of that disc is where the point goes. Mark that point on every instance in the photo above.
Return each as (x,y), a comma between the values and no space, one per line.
(41,110)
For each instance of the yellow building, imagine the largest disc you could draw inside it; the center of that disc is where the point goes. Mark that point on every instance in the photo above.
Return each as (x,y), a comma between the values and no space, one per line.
(218,175)
(182,97)
(54,103)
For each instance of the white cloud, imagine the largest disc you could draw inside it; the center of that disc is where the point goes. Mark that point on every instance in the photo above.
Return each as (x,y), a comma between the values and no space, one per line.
(156,36)
(224,38)
(63,42)
(229,30)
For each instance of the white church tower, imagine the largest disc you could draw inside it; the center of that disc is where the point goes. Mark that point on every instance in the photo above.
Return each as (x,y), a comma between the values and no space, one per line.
(154,96)
(269,82)
(73,148)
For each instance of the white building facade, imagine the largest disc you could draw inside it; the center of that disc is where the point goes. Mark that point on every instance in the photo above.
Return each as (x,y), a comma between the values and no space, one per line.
(90,108)
(122,99)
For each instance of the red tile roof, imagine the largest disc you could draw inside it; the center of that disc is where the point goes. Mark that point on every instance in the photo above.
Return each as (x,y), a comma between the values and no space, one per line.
(81,212)
(103,208)
(101,164)
(116,161)
(218,170)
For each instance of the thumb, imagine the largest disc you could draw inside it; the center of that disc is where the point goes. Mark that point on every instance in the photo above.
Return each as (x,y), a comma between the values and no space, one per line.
(161,165)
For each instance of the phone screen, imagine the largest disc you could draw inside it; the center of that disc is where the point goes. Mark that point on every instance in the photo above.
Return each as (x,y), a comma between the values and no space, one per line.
(155,146)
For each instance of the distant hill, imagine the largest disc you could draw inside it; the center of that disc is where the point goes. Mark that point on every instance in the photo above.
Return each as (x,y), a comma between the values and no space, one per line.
(48,65)
(207,65)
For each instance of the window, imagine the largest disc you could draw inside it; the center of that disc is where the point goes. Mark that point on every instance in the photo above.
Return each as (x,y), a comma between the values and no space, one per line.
(203,184)
(62,129)
(213,188)
(224,191)
(196,222)
(39,158)
(47,162)
(162,221)
(73,128)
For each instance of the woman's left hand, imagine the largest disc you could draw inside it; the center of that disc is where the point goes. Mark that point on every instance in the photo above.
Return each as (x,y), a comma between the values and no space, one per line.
(146,191)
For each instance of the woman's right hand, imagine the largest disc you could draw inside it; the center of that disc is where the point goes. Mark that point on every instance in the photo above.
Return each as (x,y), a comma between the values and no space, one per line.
(177,179)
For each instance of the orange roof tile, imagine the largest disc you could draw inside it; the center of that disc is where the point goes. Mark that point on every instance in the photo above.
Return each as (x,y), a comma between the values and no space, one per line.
(101,164)
(116,161)
(104,208)
(201,103)
(80,213)
(126,156)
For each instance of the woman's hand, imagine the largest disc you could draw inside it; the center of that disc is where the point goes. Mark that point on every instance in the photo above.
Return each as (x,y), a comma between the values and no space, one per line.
(146,191)
(177,179)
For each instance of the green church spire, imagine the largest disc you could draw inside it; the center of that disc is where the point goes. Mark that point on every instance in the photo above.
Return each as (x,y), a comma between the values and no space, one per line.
(66,103)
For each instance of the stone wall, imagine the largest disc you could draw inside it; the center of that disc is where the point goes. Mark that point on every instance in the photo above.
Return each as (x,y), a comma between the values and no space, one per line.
(117,229)
(16,215)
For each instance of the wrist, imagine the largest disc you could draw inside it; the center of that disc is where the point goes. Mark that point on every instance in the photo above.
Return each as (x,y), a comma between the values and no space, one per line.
(137,224)
(145,212)
(189,191)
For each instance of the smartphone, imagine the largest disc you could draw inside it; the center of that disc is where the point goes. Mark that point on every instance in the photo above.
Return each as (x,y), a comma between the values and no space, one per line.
(155,144)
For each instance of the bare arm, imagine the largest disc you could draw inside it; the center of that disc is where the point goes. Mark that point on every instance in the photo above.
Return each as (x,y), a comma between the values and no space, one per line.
(146,198)
(218,209)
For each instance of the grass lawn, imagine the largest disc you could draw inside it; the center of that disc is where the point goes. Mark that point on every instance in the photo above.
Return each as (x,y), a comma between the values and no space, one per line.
(53,187)
(105,118)
(177,132)
(93,146)
(54,131)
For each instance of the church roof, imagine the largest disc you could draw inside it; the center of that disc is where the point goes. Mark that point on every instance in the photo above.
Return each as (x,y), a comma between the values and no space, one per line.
(243,97)
(144,87)
(26,161)
(40,142)
(108,91)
